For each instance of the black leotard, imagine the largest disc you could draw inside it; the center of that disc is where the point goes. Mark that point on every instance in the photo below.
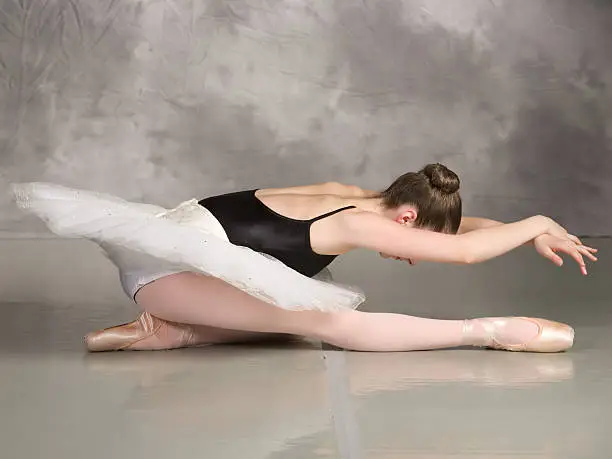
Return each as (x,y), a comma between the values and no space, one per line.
(249,222)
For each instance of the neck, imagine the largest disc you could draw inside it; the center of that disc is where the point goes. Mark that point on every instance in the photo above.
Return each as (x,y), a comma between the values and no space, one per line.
(370,204)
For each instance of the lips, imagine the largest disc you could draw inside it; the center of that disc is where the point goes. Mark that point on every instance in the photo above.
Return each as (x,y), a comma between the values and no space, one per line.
(409,260)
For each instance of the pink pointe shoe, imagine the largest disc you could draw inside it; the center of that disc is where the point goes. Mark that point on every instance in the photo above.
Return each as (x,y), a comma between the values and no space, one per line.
(145,333)
(551,336)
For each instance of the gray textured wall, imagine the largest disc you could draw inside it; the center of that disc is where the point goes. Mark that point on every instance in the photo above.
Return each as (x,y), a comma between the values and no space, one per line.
(162,100)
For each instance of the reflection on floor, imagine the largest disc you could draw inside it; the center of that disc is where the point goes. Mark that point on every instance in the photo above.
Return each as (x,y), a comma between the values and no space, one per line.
(303,400)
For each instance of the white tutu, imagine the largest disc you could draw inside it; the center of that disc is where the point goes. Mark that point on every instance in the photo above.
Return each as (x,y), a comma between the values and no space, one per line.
(186,238)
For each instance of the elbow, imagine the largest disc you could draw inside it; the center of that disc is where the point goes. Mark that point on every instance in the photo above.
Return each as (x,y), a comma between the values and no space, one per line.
(467,255)
(469,260)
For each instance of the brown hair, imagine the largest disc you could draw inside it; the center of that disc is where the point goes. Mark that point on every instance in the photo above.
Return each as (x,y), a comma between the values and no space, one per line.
(434,191)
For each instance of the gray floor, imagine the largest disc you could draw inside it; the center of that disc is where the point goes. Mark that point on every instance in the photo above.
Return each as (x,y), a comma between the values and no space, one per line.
(302,401)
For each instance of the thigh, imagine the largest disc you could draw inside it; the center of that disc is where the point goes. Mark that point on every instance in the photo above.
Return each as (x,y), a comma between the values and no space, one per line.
(197,299)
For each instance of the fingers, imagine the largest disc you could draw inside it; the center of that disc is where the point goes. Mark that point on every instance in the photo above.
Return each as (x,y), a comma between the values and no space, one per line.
(586,252)
(552,256)
(576,255)
(582,249)
(569,244)
(578,242)
(580,260)
(573,252)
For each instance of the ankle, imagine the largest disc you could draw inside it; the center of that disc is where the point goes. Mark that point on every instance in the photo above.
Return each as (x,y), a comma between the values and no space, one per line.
(475,333)
(509,331)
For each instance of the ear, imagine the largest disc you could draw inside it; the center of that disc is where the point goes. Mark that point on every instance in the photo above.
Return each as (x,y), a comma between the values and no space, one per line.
(408,216)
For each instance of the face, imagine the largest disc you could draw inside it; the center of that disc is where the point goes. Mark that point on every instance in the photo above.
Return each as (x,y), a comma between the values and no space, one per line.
(405,217)
(410,261)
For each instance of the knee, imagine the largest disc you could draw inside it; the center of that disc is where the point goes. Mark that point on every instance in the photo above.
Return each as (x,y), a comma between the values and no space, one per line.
(323,326)
(309,324)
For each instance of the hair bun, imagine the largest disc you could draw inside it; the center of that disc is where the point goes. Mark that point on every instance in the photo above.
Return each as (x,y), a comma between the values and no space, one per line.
(442,178)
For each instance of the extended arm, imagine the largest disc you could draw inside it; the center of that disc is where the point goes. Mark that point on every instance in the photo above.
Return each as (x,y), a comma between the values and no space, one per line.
(367,230)
(475,223)
(371,231)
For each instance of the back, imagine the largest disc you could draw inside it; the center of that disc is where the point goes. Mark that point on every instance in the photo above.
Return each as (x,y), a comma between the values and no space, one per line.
(251,223)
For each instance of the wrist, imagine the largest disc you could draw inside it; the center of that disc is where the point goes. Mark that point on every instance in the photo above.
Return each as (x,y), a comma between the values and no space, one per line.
(544,224)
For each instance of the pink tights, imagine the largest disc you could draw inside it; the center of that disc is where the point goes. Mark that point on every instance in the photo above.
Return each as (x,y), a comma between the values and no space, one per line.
(205,310)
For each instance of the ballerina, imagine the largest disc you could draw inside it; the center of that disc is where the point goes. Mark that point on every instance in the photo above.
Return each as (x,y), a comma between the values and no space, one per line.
(250,265)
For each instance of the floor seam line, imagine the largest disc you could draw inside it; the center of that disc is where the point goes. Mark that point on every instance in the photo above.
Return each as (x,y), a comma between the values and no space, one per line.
(343,414)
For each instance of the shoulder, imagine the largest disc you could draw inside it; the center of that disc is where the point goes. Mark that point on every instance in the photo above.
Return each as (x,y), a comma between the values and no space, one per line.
(340,189)
(324,188)
(359,220)
(358,225)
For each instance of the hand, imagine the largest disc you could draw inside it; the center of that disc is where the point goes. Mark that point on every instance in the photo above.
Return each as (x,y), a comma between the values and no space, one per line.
(554,229)
(557,230)
(548,245)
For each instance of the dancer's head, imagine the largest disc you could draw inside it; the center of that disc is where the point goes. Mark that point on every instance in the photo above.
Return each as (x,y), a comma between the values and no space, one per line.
(427,199)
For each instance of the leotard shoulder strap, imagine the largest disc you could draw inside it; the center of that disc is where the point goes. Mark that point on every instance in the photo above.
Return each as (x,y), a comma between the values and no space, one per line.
(333,212)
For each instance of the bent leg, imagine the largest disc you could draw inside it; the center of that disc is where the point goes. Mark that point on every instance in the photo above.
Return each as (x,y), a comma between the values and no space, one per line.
(150,333)
(191,298)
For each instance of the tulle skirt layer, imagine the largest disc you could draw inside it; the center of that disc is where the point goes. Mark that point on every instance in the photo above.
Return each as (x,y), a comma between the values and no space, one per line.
(147,242)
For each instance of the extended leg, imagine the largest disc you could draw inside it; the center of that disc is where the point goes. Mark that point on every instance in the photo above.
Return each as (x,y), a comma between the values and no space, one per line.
(189,298)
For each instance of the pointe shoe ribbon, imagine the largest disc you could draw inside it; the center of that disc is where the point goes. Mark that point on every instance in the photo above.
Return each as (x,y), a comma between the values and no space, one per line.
(551,337)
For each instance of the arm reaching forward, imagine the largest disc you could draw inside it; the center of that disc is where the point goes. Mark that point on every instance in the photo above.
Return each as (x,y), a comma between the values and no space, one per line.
(371,231)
